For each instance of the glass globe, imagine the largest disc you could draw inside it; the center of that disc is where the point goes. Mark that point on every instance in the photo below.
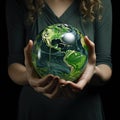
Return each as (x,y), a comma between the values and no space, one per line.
(60,50)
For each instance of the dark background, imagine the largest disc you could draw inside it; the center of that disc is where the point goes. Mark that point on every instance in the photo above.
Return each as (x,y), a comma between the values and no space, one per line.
(9,91)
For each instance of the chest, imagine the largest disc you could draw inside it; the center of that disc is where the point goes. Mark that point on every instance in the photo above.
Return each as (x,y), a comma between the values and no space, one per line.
(69,16)
(59,7)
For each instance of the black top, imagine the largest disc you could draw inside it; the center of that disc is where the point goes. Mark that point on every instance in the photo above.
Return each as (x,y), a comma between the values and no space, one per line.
(34,106)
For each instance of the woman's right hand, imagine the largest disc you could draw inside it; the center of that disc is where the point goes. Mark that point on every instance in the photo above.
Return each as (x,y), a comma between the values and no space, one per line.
(48,85)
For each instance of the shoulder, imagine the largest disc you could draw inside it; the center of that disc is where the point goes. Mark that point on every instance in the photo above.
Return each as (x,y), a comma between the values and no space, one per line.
(106,9)
(15,6)
(15,9)
(106,3)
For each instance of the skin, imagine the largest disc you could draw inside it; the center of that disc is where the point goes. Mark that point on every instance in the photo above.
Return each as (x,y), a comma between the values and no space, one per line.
(59,6)
(50,85)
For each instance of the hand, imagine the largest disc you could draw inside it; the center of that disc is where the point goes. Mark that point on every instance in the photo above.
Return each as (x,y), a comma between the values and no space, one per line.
(89,70)
(48,85)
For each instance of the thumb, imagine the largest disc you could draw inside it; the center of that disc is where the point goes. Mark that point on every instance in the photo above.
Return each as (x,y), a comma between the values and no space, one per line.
(27,53)
(90,45)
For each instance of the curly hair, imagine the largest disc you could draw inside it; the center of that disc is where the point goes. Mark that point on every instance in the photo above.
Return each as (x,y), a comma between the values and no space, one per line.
(88,8)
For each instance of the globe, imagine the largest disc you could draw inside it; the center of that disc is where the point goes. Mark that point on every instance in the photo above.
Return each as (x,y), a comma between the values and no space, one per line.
(60,50)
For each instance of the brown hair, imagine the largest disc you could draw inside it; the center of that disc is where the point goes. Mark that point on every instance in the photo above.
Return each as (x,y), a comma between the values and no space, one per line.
(88,8)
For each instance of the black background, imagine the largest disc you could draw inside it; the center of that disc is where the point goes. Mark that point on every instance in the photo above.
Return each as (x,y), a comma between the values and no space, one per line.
(9,91)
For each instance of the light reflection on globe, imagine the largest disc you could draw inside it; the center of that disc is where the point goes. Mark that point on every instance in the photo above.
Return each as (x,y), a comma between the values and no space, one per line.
(60,50)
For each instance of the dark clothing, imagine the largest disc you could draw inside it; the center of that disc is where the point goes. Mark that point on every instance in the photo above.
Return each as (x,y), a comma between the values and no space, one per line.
(34,106)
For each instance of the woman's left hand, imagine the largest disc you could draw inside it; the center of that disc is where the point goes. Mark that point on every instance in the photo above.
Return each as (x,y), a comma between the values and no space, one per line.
(88,72)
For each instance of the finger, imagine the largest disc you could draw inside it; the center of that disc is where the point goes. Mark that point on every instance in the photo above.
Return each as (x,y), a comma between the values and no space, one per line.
(49,88)
(55,93)
(28,49)
(27,53)
(90,44)
(33,81)
(77,86)
(62,82)
(41,82)
(73,85)
(39,89)
(46,80)
(91,47)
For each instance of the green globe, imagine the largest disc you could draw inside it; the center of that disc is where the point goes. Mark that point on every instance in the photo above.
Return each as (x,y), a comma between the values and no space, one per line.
(60,50)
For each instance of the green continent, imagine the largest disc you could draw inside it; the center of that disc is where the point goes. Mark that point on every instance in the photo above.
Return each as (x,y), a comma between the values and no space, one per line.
(53,33)
(76,61)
